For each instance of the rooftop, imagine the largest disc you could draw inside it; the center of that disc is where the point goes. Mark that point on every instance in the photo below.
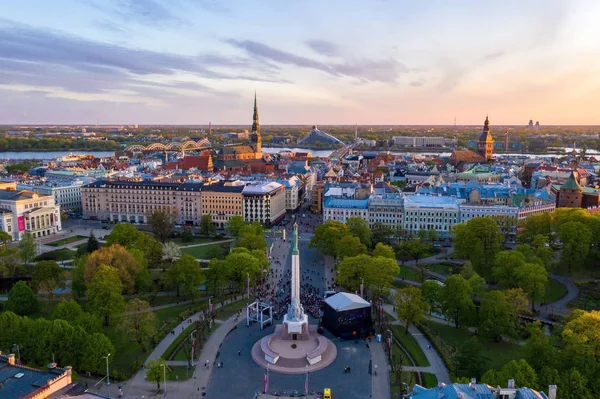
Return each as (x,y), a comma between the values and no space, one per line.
(331,202)
(261,188)
(345,301)
(430,201)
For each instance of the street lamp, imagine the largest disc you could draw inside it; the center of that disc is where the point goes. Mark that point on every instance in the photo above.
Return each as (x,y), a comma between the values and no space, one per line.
(107,374)
(164,365)
(390,342)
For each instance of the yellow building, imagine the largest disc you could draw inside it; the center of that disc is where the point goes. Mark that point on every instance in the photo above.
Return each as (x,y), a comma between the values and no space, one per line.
(485,146)
(222,200)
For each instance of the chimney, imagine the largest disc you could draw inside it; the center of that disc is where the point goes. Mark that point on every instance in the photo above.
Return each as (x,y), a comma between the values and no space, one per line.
(473,381)
(51,366)
(552,392)
(11,358)
(511,384)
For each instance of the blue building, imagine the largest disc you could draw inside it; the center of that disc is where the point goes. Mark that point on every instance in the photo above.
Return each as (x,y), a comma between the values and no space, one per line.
(479,391)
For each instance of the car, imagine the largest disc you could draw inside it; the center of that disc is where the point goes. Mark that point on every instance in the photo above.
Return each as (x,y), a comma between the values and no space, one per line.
(327,393)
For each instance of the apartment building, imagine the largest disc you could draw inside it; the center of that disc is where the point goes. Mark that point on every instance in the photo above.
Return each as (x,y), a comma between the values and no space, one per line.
(386,209)
(66,194)
(263,202)
(429,212)
(23,211)
(222,200)
(127,201)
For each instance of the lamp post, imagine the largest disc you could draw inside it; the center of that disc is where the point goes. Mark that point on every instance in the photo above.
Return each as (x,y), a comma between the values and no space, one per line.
(164,365)
(107,374)
(390,342)
(248,290)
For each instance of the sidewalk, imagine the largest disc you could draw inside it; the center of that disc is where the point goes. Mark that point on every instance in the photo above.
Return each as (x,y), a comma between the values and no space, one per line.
(381,381)
(437,365)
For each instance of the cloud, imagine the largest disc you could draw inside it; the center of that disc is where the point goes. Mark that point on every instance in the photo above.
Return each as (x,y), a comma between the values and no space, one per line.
(43,58)
(323,47)
(364,70)
(417,83)
(144,12)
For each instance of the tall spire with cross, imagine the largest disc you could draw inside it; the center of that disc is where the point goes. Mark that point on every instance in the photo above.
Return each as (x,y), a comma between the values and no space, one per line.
(256,139)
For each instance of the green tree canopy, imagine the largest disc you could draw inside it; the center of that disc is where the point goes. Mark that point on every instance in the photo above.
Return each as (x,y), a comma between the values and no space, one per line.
(47,276)
(154,370)
(234,225)
(104,293)
(478,240)
(410,306)
(384,251)
(161,223)
(349,246)
(139,322)
(576,238)
(117,256)
(92,243)
(27,248)
(381,233)
(186,274)
(360,228)
(327,235)
(456,300)
(21,299)
(532,278)
(494,316)
(206,227)
(431,291)
(518,370)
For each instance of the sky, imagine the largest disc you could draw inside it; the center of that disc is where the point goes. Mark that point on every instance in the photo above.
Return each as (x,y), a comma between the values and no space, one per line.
(310,62)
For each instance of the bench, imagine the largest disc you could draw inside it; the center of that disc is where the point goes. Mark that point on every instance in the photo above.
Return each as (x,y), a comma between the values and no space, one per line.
(270,355)
(314,356)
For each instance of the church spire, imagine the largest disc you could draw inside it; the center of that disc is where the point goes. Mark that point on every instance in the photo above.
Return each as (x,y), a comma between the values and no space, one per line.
(255,123)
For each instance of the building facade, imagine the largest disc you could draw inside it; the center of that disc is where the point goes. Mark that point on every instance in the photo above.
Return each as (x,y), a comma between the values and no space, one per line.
(485,144)
(341,209)
(430,212)
(423,141)
(222,201)
(386,209)
(263,202)
(127,201)
(66,194)
(23,211)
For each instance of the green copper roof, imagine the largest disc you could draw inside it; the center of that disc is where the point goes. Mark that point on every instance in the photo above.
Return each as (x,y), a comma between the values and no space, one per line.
(295,241)
(571,183)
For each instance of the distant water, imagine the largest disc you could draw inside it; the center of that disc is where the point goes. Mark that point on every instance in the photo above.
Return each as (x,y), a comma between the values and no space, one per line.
(52,154)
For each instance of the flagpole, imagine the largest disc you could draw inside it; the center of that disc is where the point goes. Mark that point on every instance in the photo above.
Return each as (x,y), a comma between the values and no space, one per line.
(306,382)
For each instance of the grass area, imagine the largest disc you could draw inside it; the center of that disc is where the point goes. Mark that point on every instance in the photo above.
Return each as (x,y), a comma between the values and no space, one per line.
(57,255)
(195,240)
(173,311)
(554,291)
(408,273)
(206,251)
(443,268)
(177,348)
(128,355)
(229,310)
(495,354)
(430,380)
(66,240)
(179,373)
(408,378)
(589,296)
(161,300)
(410,344)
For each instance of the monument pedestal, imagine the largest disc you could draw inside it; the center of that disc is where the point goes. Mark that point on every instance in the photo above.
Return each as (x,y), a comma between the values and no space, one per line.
(295,330)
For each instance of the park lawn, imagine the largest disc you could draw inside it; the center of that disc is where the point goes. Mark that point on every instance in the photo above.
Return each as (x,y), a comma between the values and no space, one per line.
(410,344)
(442,268)
(195,240)
(430,380)
(173,311)
(408,377)
(57,255)
(229,310)
(554,291)
(205,251)
(408,273)
(128,356)
(179,373)
(495,354)
(66,240)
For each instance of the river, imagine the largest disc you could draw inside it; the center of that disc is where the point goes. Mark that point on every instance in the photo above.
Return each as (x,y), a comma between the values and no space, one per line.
(270,150)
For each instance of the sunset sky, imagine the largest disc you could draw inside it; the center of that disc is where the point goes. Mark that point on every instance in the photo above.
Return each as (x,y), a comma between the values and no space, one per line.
(311,62)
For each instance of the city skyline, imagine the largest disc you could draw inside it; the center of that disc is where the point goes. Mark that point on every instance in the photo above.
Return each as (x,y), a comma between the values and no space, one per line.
(338,63)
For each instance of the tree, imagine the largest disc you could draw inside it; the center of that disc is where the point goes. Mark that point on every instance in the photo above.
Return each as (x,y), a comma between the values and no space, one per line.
(206,227)
(517,302)
(505,265)
(104,293)
(117,256)
(234,225)
(218,278)
(433,235)
(573,385)
(360,228)
(10,264)
(539,351)
(67,310)
(532,278)
(576,238)
(456,300)
(27,248)
(161,223)
(240,264)
(384,251)
(97,346)
(478,285)
(518,370)
(538,224)
(416,250)
(380,275)
(5,238)
(470,358)
(47,276)
(382,233)
(21,300)
(139,322)
(349,246)
(171,251)
(352,270)
(507,225)
(581,335)
(431,291)
(187,275)
(410,306)
(92,243)
(494,316)
(327,235)
(154,370)
(478,240)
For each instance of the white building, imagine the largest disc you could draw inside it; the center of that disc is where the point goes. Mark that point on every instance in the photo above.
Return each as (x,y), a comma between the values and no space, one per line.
(470,211)
(430,212)
(23,211)
(66,194)
(407,141)
(292,188)
(341,209)
(263,202)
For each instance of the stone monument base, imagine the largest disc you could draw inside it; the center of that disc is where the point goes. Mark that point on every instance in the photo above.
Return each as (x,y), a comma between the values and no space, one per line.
(292,357)
(295,330)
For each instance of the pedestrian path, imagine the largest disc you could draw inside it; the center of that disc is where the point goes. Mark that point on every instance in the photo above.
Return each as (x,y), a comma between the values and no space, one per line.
(436,363)
(381,372)
(203,244)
